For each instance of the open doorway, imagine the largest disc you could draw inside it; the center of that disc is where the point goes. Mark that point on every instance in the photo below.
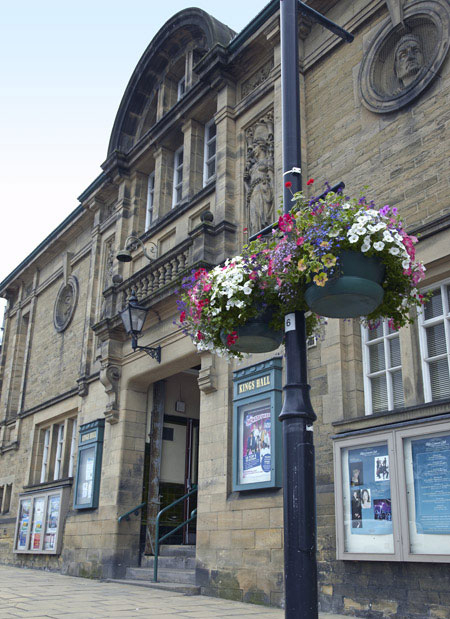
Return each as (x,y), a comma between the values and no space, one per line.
(171,459)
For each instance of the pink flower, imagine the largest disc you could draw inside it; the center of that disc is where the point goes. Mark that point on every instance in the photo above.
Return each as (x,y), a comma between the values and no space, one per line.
(200,335)
(207,287)
(287,259)
(182,316)
(300,240)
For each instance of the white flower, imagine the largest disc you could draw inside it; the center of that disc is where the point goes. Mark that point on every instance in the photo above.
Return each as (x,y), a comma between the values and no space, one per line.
(352,238)
(405,264)
(387,237)
(371,228)
(355,229)
(379,245)
(394,251)
(365,247)
(346,205)
(333,233)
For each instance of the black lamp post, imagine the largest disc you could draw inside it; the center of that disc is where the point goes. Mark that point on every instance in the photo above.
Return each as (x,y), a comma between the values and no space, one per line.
(133,318)
(297,415)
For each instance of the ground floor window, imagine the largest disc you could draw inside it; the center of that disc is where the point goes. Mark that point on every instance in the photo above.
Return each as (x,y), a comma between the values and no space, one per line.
(39,521)
(393,493)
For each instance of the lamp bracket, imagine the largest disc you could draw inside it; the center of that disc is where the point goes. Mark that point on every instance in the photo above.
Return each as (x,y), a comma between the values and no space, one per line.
(132,242)
(155,353)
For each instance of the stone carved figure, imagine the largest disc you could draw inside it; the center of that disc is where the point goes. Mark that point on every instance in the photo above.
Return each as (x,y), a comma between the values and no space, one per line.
(408,59)
(259,174)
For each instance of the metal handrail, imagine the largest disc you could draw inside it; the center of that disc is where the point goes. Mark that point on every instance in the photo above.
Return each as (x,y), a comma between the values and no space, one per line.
(158,539)
(135,511)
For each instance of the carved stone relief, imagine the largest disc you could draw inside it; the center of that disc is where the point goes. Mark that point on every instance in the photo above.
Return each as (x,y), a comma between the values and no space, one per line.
(259,174)
(404,58)
(109,263)
(256,78)
(65,304)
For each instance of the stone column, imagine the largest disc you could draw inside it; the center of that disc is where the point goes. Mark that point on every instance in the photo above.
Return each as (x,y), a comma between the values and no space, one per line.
(411,365)
(192,157)
(163,182)
(225,153)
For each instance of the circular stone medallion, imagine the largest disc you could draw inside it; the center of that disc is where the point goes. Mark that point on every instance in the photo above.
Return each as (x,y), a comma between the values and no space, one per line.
(65,304)
(402,61)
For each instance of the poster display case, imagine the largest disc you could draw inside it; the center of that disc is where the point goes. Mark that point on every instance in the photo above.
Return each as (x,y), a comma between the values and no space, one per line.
(89,464)
(256,428)
(393,493)
(39,521)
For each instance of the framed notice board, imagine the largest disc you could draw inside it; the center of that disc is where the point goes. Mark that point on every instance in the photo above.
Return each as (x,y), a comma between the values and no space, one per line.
(256,428)
(89,464)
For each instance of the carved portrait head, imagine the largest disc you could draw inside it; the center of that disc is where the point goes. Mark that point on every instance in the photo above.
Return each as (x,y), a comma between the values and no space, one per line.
(402,60)
(408,59)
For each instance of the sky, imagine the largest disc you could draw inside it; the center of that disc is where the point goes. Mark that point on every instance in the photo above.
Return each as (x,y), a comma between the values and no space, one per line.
(64,68)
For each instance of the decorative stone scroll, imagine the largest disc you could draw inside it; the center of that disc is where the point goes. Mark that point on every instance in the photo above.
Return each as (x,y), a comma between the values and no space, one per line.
(402,60)
(65,304)
(259,174)
(110,377)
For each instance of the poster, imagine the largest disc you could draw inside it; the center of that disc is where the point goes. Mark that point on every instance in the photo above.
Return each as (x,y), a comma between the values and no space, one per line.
(54,503)
(86,475)
(370,491)
(24,523)
(256,433)
(38,520)
(431,473)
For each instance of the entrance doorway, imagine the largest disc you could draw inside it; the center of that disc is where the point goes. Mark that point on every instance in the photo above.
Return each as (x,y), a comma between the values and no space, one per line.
(171,459)
(179,473)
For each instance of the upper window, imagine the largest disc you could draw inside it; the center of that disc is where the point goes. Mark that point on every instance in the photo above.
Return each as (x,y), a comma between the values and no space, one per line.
(56,450)
(435,344)
(181,88)
(177,176)
(210,152)
(150,199)
(383,387)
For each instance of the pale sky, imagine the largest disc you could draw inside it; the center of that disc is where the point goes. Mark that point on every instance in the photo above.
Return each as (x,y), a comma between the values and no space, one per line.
(64,68)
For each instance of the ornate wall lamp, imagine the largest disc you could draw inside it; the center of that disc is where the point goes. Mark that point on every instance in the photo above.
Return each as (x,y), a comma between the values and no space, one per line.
(133,315)
(133,318)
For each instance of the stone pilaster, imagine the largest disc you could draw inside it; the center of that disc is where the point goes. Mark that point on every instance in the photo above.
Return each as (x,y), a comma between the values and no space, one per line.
(192,157)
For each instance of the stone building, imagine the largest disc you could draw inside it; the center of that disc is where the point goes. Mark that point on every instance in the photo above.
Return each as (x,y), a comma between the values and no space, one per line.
(90,430)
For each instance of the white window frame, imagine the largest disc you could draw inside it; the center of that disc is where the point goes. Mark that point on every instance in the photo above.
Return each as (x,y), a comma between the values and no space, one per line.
(181,88)
(388,370)
(177,176)
(208,160)
(59,452)
(45,455)
(73,448)
(423,324)
(150,200)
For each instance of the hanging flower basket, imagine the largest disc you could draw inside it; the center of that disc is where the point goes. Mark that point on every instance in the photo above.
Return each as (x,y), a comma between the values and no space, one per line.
(255,336)
(335,257)
(355,290)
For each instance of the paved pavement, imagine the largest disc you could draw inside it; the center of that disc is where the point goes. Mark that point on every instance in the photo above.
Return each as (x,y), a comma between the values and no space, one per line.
(39,594)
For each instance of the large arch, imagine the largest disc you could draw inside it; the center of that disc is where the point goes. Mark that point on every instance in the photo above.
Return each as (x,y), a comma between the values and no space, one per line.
(187,26)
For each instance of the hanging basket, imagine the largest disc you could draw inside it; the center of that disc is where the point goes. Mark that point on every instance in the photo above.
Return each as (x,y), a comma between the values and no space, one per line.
(256,336)
(356,291)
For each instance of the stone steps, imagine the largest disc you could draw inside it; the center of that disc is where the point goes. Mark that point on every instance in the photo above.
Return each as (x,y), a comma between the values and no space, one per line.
(176,571)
